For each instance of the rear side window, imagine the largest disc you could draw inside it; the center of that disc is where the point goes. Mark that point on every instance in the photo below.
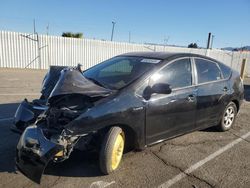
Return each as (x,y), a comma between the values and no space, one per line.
(207,71)
(226,71)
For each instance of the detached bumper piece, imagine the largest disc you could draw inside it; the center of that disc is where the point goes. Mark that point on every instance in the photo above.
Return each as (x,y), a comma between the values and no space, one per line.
(27,113)
(33,153)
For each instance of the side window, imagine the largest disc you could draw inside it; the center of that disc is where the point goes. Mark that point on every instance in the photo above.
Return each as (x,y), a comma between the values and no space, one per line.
(177,74)
(226,71)
(207,71)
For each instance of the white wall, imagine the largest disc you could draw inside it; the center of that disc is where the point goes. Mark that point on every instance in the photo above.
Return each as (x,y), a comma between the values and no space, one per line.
(17,51)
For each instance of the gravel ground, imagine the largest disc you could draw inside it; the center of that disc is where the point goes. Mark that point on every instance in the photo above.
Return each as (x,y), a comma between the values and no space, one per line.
(149,168)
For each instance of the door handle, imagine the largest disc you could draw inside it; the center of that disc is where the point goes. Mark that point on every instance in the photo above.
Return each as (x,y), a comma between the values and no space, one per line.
(191,98)
(225,89)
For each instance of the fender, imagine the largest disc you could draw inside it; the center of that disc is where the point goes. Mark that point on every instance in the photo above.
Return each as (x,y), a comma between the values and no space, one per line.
(108,112)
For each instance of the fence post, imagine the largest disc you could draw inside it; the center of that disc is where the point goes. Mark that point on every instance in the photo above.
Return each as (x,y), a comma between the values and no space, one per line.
(243,68)
(39,51)
(232,58)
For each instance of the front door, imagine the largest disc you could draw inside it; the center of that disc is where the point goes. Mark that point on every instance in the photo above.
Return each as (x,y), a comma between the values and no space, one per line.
(170,114)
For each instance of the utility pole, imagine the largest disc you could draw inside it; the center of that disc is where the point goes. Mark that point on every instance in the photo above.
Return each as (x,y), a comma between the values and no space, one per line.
(47,29)
(212,42)
(34,26)
(38,45)
(129,37)
(208,40)
(113,28)
(166,40)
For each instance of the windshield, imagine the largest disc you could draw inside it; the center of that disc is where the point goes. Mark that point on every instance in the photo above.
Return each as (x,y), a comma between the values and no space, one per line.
(118,72)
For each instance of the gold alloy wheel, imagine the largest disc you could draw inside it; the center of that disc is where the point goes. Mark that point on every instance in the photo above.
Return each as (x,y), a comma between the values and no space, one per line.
(117,151)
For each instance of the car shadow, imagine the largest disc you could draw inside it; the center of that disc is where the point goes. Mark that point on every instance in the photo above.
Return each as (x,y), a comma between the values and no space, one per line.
(8,110)
(8,138)
(80,164)
(247,92)
(210,129)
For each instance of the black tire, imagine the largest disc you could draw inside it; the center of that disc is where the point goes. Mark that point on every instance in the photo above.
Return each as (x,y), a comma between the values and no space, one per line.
(107,147)
(226,121)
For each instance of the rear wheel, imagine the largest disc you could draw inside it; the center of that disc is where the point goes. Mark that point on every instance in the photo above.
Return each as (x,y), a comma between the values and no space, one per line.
(112,150)
(228,117)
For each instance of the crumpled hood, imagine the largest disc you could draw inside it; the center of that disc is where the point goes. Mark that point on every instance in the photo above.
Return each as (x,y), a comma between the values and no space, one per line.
(50,80)
(72,81)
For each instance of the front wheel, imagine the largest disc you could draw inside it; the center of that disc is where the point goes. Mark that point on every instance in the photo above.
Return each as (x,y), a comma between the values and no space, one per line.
(112,150)
(228,117)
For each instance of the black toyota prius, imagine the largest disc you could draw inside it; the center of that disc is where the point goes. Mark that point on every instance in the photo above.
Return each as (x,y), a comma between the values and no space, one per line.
(130,101)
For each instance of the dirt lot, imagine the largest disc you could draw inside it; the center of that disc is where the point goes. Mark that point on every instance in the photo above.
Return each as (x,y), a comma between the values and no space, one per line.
(201,159)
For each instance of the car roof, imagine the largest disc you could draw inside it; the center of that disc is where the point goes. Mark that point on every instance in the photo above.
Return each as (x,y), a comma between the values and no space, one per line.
(163,55)
(154,55)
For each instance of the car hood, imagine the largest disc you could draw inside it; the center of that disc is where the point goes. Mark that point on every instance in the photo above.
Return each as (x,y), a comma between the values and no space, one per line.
(72,81)
(50,80)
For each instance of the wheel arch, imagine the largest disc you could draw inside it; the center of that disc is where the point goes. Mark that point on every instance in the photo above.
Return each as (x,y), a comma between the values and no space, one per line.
(131,137)
(236,102)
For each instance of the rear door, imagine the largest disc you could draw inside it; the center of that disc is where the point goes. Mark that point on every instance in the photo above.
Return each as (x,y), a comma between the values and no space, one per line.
(211,92)
(170,114)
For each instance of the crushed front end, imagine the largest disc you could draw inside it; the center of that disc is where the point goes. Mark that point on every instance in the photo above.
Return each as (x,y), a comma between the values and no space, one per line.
(34,152)
(48,138)
(28,111)
(38,146)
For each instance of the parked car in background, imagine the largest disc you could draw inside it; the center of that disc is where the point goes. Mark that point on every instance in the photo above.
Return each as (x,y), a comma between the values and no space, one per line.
(130,101)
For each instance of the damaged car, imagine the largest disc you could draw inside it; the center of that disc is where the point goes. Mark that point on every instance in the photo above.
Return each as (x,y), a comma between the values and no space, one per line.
(130,101)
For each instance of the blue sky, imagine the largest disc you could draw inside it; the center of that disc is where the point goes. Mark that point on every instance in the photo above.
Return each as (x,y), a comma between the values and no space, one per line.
(179,21)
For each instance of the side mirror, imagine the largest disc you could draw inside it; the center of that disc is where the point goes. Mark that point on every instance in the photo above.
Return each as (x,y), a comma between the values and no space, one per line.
(159,88)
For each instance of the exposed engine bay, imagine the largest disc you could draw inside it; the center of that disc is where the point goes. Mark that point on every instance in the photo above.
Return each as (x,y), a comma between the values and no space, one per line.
(62,111)
(65,109)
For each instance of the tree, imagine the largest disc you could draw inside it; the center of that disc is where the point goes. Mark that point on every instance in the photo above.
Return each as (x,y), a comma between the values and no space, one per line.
(193,45)
(72,35)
